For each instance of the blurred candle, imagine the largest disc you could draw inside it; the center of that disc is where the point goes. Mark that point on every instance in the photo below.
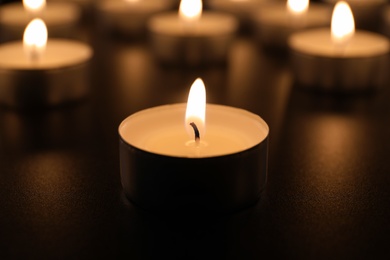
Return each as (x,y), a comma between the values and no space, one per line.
(39,72)
(340,59)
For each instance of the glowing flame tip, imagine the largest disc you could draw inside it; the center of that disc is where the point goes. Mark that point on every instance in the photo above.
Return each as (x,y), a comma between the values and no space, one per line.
(297,6)
(196,108)
(190,10)
(343,24)
(34,6)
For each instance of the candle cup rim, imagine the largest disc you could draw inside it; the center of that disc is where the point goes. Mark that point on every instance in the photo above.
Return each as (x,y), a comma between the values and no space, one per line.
(248,113)
(222,156)
(295,46)
(50,67)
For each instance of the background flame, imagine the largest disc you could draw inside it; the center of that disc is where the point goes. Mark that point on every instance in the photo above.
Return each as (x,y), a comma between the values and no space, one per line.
(190,10)
(34,6)
(35,38)
(297,6)
(343,24)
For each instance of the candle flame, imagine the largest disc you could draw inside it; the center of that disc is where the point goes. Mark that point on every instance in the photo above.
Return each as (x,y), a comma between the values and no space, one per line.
(190,10)
(196,109)
(297,6)
(343,24)
(34,39)
(34,6)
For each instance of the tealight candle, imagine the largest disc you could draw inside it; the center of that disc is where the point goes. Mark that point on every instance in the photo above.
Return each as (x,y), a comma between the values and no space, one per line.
(129,17)
(367,13)
(34,73)
(192,37)
(172,159)
(242,9)
(339,60)
(60,18)
(274,23)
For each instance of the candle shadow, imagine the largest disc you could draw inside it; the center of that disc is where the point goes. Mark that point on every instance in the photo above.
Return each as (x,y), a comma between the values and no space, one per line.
(188,234)
(40,129)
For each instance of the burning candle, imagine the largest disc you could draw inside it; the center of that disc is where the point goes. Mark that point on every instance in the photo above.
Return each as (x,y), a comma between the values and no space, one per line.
(367,13)
(129,17)
(177,155)
(41,72)
(274,23)
(340,59)
(193,37)
(60,18)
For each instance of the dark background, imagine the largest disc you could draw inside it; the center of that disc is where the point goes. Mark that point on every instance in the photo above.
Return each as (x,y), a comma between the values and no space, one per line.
(327,195)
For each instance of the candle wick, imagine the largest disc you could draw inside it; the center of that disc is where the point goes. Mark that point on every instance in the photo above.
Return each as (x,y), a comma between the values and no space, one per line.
(33,54)
(196,131)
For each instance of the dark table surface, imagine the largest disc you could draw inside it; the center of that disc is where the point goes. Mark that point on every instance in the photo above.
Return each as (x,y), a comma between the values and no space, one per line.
(328,190)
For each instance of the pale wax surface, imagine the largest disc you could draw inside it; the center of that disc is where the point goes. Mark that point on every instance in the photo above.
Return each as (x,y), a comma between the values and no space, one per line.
(161,130)
(319,42)
(58,54)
